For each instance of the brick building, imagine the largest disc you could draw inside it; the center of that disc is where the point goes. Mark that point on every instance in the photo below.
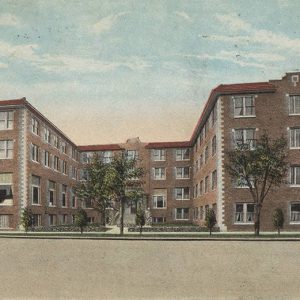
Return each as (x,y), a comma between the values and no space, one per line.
(39,165)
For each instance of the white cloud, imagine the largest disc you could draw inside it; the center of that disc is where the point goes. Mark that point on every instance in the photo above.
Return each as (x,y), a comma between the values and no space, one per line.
(3,65)
(234,22)
(184,15)
(9,20)
(106,23)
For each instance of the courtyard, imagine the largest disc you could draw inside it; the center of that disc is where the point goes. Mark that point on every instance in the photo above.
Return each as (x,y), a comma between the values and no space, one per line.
(112,269)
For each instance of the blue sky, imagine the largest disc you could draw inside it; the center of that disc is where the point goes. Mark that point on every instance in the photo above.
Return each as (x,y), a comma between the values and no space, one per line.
(104,71)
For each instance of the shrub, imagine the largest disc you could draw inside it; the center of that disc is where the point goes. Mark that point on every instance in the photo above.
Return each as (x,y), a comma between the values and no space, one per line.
(210,219)
(278,219)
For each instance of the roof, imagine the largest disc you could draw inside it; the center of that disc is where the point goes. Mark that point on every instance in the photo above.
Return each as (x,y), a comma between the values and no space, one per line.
(100,147)
(229,89)
(24,102)
(168,145)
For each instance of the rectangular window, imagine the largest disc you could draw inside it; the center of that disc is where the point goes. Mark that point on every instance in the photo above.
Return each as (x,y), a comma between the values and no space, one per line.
(213,179)
(206,155)
(182,172)
(294,104)
(6,120)
(295,212)
(6,194)
(56,163)
(244,213)
(47,135)
(52,193)
(182,193)
(63,147)
(206,184)
(213,145)
(73,198)
(182,213)
(34,126)
(244,137)
(35,189)
(201,188)
(36,220)
(295,175)
(159,173)
(64,167)
(201,213)
(63,195)
(201,161)
(52,220)
(6,149)
(158,219)
(158,154)
(4,221)
(34,153)
(294,137)
(244,106)
(182,154)
(74,172)
(131,154)
(160,198)
(55,141)
(87,157)
(107,156)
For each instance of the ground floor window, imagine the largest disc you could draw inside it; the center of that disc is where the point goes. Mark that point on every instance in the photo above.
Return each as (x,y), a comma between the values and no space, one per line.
(244,213)
(52,220)
(181,213)
(4,221)
(36,220)
(295,212)
(5,187)
(91,220)
(158,219)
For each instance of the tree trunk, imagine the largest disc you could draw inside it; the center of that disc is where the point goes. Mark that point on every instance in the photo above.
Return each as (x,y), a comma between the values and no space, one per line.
(103,217)
(210,231)
(141,229)
(81,230)
(257,219)
(122,217)
(278,230)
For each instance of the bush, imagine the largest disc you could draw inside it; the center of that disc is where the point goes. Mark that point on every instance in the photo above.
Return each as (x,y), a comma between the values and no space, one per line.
(210,219)
(140,219)
(278,219)
(81,219)
(27,219)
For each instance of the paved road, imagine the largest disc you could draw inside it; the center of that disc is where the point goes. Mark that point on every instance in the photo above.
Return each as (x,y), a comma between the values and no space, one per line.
(77,269)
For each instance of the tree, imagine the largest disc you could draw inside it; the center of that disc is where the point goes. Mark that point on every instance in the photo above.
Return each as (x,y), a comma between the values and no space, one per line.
(27,218)
(260,169)
(140,219)
(210,219)
(81,219)
(278,219)
(92,187)
(123,176)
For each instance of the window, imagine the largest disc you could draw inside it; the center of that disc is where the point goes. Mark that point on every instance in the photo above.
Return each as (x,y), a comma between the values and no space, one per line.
(6,194)
(56,163)
(52,220)
(182,193)
(63,147)
(206,155)
(181,213)
(206,184)
(295,138)
(205,128)
(64,167)
(159,198)
(201,188)
(34,126)
(47,159)
(6,120)
(182,172)
(244,213)
(87,157)
(244,137)
(201,161)
(159,173)
(213,179)
(214,115)
(295,212)
(6,149)
(158,219)
(47,135)
(36,220)
(55,141)
(294,104)
(131,154)
(182,154)
(51,192)
(107,156)
(87,203)
(242,183)
(213,145)
(4,221)
(73,198)
(63,195)
(159,154)
(73,153)
(34,153)
(244,106)
(74,172)
(64,219)
(35,189)
(295,175)
(90,220)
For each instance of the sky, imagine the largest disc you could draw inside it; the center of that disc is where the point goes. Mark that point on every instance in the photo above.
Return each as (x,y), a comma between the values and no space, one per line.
(104,71)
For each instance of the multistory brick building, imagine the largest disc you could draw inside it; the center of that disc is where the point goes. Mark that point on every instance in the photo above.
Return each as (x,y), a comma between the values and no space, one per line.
(39,164)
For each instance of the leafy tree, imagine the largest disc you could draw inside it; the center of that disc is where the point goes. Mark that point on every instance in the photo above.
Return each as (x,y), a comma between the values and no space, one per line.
(93,187)
(140,219)
(123,175)
(27,218)
(260,169)
(81,219)
(210,219)
(278,219)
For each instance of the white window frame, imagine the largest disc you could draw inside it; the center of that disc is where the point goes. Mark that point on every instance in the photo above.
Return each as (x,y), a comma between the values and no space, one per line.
(53,190)
(155,200)
(4,221)
(181,175)
(47,159)
(297,216)
(293,175)
(47,135)
(214,180)
(244,115)
(293,137)
(181,152)
(245,140)
(35,155)
(159,173)
(181,190)
(34,126)
(56,163)
(159,154)
(107,156)
(7,121)
(293,97)
(8,184)
(64,190)
(38,219)
(7,149)
(38,187)
(244,214)
(182,213)
(131,154)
